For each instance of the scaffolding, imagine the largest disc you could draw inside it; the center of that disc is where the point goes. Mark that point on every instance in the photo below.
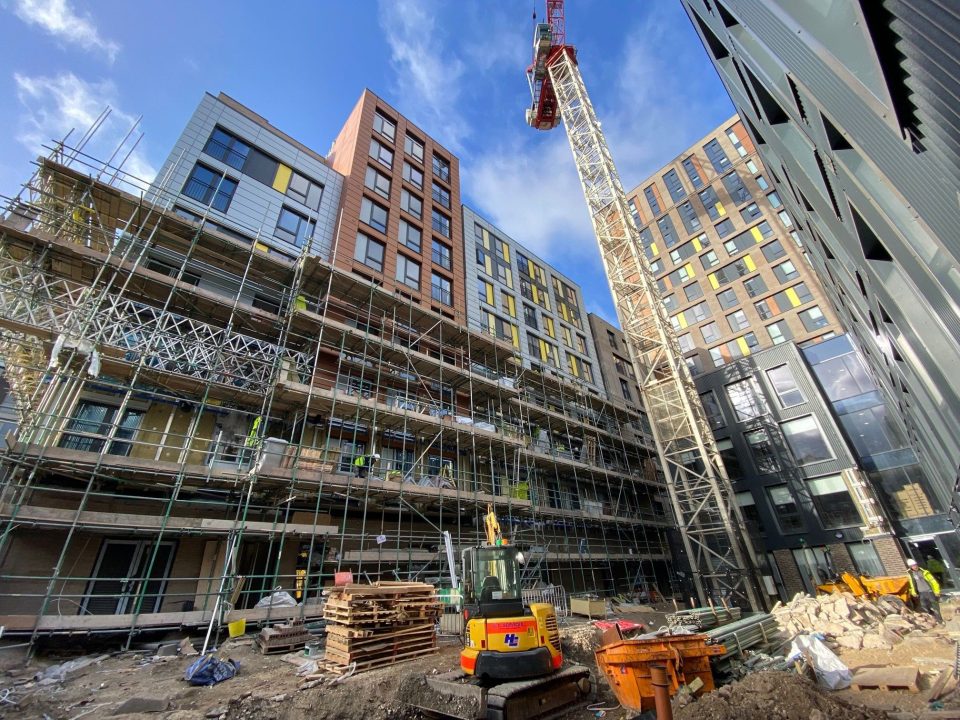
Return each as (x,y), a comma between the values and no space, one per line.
(192,406)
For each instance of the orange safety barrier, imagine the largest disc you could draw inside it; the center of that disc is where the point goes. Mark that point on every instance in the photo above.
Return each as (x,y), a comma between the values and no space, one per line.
(626,665)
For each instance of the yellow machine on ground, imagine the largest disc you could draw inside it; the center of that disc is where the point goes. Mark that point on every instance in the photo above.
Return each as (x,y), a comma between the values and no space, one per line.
(872,587)
(511,657)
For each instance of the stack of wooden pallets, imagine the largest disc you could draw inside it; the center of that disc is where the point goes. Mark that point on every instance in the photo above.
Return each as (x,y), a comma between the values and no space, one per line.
(379,624)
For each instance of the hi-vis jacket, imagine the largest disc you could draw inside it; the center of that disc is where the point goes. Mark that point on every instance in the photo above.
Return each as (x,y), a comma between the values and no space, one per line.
(928,576)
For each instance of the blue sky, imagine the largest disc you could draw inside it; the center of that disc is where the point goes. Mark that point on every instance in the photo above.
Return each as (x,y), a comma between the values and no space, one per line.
(454,68)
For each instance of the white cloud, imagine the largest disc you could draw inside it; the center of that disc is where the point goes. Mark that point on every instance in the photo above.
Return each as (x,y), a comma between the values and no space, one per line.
(55,105)
(57,18)
(428,79)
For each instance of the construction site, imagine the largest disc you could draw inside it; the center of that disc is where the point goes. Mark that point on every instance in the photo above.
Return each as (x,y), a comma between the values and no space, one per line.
(257,472)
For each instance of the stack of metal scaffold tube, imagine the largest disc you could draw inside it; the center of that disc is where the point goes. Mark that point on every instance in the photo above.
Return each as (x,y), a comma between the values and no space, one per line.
(703,618)
(758,632)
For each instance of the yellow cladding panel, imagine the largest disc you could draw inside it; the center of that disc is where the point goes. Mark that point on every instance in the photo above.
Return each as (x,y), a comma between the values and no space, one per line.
(506,252)
(261,247)
(544,350)
(282,179)
(516,336)
(489,290)
(757,235)
(488,265)
(751,265)
(744,348)
(486,237)
(654,250)
(712,277)
(690,270)
(682,319)
(509,279)
(574,367)
(696,244)
(548,326)
(793,297)
(721,211)
(491,324)
(511,306)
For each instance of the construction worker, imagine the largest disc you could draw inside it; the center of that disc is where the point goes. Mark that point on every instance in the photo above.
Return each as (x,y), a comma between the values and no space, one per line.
(924,587)
(363,463)
(936,567)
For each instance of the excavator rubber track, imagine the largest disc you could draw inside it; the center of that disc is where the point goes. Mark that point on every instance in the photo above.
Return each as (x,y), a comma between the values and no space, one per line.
(541,698)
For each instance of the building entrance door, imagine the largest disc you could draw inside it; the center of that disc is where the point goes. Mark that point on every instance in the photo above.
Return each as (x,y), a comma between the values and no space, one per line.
(120,576)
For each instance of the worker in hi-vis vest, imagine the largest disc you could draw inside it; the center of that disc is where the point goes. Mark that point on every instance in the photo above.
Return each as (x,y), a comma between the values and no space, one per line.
(924,587)
(363,463)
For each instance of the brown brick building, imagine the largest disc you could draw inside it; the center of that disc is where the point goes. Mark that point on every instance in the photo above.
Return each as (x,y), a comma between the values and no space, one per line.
(400,207)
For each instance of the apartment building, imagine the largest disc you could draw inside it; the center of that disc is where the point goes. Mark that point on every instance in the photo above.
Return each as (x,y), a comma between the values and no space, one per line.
(519,298)
(727,257)
(194,443)
(850,107)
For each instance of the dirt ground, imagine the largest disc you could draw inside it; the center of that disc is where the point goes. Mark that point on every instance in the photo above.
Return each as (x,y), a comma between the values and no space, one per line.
(267,687)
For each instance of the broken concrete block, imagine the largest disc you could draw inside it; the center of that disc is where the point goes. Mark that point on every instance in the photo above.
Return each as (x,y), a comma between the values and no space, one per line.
(875,641)
(142,705)
(850,640)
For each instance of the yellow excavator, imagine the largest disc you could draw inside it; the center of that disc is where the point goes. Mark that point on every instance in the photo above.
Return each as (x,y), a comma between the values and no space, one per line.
(511,664)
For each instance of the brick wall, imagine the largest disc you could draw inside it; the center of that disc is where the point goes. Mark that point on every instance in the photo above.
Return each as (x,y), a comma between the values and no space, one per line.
(789,572)
(842,562)
(891,556)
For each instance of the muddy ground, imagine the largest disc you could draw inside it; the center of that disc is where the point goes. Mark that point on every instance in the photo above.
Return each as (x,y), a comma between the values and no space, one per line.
(267,687)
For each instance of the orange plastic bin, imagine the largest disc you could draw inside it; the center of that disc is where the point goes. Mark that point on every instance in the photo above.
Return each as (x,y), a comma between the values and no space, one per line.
(626,665)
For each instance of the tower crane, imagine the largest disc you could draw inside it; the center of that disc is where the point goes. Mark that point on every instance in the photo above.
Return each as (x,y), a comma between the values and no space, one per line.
(710,523)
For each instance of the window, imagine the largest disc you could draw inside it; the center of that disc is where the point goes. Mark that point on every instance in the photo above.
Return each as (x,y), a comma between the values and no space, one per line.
(865,559)
(731,461)
(622,366)
(667,231)
(441,195)
(530,316)
(611,338)
(774,199)
(670,303)
(812,319)
(163,268)
(762,182)
(750,213)
(779,332)
(633,211)
(755,286)
(752,166)
(747,402)
(785,386)
(625,390)
(785,509)
(267,303)
(441,254)
(686,343)
(499,327)
(762,451)
(751,517)
(369,252)
(485,291)
(844,377)
(806,440)
(383,125)
(735,140)
(689,217)
(441,168)
(738,321)
(92,422)
(210,188)
(653,199)
(716,354)
(710,332)
(689,249)
(712,409)
(408,271)
(441,289)
(413,148)
(731,271)
(747,239)
(712,203)
(582,344)
(716,156)
(734,185)
(772,251)
(785,272)
(833,502)
(227,148)
(378,182)
(693,291)
(709,260)
(548,326)
(723,228)
(674,186)
(690,166)
(412,175)
(441,223)
(381,153)
(727,298)
(373,215)
(409,236)
(294,228)
(785,219)
(411,204)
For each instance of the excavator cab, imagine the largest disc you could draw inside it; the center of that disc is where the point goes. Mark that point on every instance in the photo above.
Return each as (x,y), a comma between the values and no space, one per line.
(491,581)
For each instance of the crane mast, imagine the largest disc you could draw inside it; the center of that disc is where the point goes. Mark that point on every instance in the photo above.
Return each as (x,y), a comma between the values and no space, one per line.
(710,523)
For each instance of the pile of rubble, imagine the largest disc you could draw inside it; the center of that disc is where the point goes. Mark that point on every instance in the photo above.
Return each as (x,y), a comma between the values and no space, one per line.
(850,622)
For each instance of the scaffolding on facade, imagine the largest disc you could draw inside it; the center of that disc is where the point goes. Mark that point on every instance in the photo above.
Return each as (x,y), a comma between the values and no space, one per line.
(192,405)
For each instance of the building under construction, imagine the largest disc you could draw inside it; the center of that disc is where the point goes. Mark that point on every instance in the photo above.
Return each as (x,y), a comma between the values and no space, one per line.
(231,383)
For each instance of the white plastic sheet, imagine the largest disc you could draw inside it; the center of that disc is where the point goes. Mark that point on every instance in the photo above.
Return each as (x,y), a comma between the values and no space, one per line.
(831,673)
(277,599)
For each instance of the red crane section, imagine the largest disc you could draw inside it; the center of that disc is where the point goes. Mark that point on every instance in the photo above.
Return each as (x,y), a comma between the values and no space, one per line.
(549,43)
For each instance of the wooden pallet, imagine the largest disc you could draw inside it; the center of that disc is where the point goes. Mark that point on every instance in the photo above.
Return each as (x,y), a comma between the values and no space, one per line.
(359,645)
(888,678)
(339,664)
(276,649)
